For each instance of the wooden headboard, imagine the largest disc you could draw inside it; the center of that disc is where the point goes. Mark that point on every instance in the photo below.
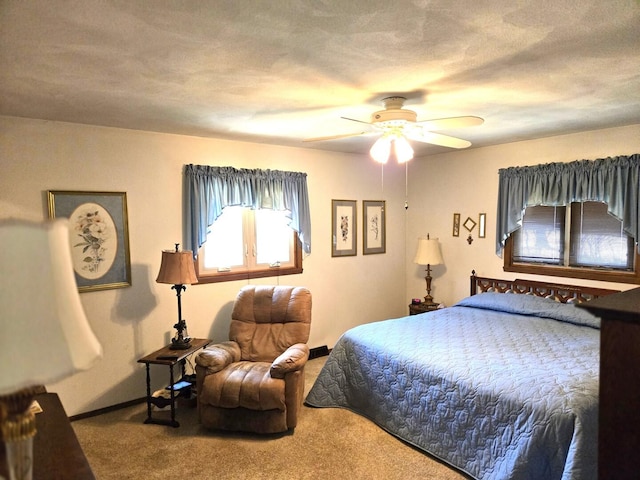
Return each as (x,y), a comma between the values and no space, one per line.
(559,292)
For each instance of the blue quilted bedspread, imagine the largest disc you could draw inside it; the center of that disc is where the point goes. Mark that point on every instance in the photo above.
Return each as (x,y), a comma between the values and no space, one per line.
(500,386)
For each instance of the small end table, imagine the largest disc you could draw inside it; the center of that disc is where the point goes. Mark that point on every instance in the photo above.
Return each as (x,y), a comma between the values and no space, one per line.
(169,357)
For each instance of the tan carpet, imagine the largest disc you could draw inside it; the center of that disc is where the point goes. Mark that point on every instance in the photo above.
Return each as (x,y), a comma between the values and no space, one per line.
(328,443)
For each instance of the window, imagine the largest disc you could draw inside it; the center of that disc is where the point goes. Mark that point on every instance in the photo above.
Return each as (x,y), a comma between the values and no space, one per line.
(580,241)
(245,243)
(208,190)
(541,237)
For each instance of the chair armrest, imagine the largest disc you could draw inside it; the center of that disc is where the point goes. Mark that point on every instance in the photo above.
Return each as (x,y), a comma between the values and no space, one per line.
(216,357)
(292,359)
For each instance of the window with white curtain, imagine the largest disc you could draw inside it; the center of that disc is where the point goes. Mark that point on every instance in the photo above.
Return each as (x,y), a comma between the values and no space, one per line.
(246,241)
(246,223)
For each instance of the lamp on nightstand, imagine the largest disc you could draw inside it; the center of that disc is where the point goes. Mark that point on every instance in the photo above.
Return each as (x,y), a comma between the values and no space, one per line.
(45,334)
(428,254)
(177,268)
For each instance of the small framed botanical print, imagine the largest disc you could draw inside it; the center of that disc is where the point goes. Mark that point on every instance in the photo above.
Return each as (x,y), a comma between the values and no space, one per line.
(456,224)
(373,227)
(343,228)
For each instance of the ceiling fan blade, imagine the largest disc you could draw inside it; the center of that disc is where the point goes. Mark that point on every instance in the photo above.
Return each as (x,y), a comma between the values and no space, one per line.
(451,122)
(439,139)
(354,120)
(334,137)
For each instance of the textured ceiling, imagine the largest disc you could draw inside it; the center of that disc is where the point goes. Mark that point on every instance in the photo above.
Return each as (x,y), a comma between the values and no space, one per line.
(281,71)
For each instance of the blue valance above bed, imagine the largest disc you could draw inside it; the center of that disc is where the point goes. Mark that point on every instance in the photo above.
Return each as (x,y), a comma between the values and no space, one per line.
(613,180)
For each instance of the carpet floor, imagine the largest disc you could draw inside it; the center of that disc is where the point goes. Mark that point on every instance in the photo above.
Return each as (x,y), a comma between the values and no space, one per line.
(327,443)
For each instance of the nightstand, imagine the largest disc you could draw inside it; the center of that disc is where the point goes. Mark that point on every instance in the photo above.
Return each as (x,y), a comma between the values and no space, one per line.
(167,356)
(416,308)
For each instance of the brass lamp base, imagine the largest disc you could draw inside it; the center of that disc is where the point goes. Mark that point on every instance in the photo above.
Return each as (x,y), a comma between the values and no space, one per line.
(18,426)
(428,300)
(180,343)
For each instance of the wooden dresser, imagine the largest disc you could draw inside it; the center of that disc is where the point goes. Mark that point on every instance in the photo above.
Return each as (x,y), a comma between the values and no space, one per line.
(57,454)
(619,417)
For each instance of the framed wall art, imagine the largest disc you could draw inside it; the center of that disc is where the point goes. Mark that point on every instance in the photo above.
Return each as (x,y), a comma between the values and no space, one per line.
(469,224)
(98,236)
(373,227)
(482,225)
(343,228)
(456,224)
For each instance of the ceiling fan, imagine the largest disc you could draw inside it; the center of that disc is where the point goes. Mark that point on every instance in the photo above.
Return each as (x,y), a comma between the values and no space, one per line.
(398,125)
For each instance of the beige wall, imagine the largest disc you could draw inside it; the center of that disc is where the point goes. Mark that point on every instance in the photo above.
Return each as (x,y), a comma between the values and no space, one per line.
(36,156)
(466,182)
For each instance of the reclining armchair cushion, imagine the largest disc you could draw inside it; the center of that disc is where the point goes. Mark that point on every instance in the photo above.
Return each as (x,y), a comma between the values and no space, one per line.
(216,357)
(266,320)
(244,384)
(293,358)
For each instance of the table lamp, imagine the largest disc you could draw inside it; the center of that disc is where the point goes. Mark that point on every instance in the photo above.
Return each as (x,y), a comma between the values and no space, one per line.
(45,334)
(177,268)
(428,254)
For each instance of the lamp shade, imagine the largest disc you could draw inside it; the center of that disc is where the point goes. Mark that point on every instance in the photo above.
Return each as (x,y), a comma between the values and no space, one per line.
(428,252)
(45,335)
(177,268)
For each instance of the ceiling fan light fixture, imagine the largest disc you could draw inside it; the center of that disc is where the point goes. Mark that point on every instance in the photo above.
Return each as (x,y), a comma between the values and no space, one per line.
(398,125)
(402,149)
(381,149)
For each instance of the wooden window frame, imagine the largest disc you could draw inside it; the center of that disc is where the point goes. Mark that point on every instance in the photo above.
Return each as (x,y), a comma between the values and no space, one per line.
(571,272)
(261,271)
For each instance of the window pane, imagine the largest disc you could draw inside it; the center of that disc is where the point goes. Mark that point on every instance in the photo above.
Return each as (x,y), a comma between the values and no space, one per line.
(597,238)
(541,237)
(224,247)
(273,237)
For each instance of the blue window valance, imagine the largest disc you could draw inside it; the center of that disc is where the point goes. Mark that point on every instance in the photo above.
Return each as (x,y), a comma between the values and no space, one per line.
(613,180)
(210,189)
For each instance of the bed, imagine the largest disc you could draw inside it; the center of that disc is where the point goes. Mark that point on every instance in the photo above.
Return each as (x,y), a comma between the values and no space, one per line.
(502,385)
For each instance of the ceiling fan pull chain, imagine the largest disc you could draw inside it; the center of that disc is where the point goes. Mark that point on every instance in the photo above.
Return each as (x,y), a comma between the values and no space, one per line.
(406,185)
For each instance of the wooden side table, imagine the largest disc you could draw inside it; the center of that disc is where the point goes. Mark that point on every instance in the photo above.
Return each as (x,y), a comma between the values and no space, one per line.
(416,308)
(166,356)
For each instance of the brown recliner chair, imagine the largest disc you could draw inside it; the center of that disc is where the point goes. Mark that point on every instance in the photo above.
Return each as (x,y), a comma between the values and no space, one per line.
(255,381)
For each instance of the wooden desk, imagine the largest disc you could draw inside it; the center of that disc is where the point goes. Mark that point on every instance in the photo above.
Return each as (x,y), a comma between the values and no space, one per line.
(57,454)
(168,357)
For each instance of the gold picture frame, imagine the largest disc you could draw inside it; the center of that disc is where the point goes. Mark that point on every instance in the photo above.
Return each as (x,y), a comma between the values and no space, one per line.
(374,234)
(344,223)
(482,225)
(98,236)
(456,224)
(469,224)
